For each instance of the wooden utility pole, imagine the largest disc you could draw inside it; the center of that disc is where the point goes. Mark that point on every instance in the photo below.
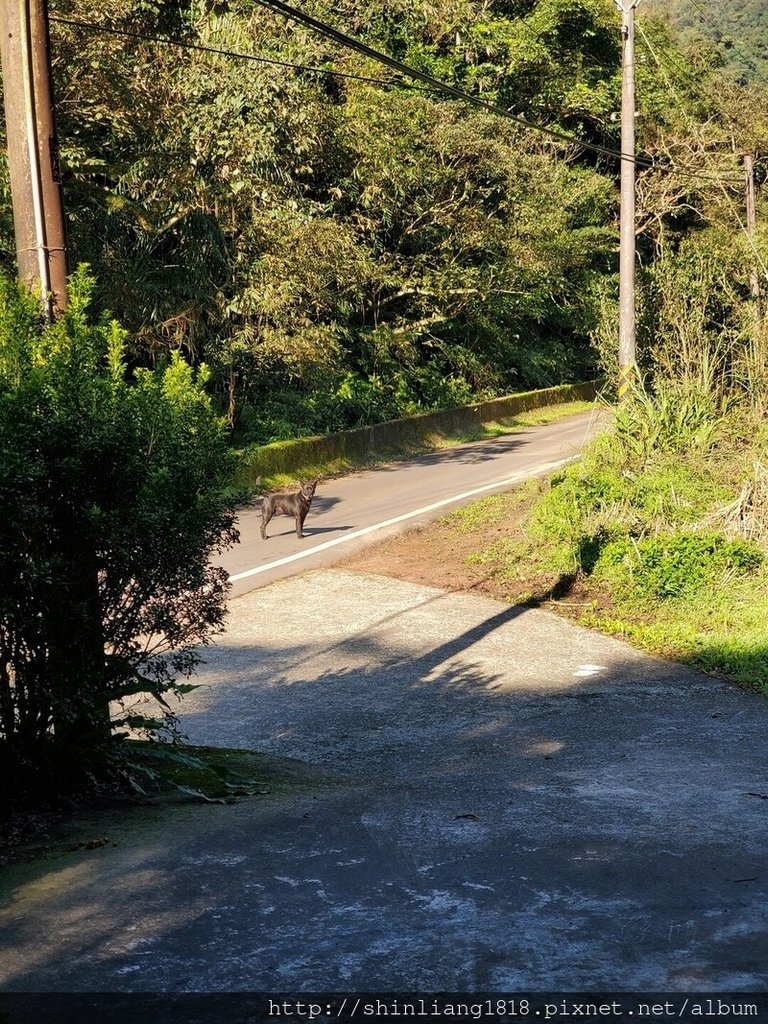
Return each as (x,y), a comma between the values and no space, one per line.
(749,175)
(627,357)
(33,158)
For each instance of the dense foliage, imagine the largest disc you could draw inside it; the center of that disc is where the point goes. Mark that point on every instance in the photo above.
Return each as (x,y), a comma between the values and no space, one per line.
(111,486)
(340,251)
(738,28)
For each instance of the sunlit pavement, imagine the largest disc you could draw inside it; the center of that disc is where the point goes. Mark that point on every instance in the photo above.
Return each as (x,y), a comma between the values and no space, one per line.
(517,804)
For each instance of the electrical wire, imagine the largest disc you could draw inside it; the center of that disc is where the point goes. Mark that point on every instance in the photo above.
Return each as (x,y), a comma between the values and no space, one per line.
(184,44)
(434,84)
(355,44)
(349,42)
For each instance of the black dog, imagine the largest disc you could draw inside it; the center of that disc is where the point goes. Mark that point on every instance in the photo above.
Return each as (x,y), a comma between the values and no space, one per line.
(285,503)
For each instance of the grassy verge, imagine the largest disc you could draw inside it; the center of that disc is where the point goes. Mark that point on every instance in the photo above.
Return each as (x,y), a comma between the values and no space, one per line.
(334,467)
(662,544)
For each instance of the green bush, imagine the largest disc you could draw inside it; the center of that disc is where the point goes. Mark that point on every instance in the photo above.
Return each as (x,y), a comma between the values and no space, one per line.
(677,565)
(111,485)
(577,515)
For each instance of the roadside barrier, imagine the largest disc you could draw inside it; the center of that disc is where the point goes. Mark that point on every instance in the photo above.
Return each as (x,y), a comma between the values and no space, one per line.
(334,453)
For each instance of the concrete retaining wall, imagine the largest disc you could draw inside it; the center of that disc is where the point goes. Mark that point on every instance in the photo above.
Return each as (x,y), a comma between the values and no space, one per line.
(332,453)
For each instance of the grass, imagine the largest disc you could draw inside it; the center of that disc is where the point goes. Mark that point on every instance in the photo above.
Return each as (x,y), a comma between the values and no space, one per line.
(484,512)
(666,548)
(723,631)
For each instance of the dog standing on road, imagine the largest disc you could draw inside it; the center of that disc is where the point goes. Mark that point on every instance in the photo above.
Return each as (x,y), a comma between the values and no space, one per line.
(295,503)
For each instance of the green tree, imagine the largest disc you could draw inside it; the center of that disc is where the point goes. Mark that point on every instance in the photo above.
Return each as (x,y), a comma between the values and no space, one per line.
(340,252)
(112,487)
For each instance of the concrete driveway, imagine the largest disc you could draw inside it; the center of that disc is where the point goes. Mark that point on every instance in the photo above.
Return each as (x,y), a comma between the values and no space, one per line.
(516,804)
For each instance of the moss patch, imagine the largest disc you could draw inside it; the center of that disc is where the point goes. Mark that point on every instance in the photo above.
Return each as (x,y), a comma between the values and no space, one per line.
(166,773)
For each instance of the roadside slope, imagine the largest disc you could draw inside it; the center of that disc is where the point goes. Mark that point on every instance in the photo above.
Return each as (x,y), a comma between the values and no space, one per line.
(348,513)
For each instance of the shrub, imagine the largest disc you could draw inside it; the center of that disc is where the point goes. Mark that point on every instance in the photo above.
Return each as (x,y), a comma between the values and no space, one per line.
(677,565)
(111,485)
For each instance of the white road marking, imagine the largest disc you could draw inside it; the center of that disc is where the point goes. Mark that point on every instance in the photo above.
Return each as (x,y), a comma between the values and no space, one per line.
(515,478)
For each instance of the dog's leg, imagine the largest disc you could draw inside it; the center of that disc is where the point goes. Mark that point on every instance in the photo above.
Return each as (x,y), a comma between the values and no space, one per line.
(266,515)
(304,514)
(300,517)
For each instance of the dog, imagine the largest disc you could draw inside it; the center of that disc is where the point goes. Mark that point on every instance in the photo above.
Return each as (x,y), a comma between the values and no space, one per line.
(287,503)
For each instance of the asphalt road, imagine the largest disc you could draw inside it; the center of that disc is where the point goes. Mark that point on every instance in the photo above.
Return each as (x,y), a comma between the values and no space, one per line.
(355,510)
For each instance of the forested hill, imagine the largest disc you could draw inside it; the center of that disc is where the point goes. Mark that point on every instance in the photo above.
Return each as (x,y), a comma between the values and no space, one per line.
(738,27)
(341,245)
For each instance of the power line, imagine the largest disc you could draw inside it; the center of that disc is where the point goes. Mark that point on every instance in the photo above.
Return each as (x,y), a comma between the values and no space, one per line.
(349,42)
(184,44)
(405,69)
(434,84)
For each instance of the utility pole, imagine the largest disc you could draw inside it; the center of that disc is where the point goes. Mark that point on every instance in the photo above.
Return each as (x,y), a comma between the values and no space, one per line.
(627,358)
(33,158)
(749,175)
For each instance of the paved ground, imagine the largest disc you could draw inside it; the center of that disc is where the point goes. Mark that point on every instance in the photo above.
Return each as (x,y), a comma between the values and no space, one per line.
(524,805)
(348,512)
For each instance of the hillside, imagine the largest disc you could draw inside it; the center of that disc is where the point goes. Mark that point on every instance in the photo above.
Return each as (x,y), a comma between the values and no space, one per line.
(739,28)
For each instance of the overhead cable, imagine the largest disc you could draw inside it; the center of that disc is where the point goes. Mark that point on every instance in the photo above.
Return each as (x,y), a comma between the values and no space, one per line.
(406,70)
(185,44)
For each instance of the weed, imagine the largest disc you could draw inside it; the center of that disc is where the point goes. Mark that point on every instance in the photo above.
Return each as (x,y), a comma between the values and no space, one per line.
(674,566)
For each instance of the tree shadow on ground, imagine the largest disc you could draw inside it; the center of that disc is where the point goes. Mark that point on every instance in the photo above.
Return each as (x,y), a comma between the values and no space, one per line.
(551,818)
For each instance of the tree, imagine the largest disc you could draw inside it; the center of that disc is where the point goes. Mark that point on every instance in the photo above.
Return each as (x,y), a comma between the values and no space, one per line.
(335,251)
(112,485)
(338,251)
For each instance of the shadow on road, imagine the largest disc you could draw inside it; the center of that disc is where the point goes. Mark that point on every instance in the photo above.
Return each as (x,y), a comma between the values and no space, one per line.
(474,452)
(525,813)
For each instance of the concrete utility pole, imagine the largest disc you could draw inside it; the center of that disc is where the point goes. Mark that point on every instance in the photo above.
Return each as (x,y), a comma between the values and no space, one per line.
(627,359)
(749,175)
(33,159)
